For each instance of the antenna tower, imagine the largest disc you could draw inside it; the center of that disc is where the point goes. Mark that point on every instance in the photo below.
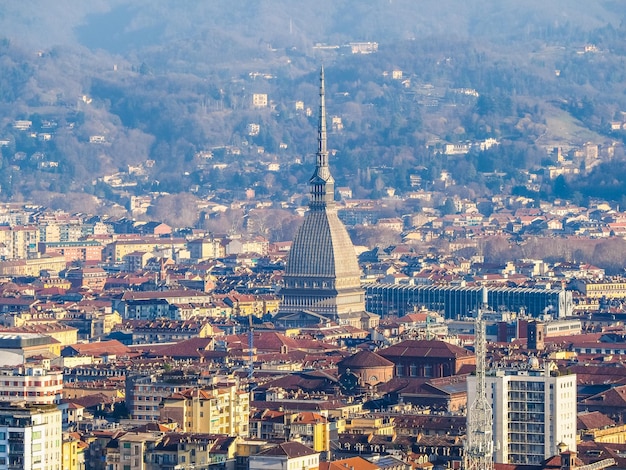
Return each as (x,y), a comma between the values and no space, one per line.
(479,441)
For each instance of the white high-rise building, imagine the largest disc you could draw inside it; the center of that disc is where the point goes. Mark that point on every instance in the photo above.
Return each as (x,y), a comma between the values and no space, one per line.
(30,437)
(534,411)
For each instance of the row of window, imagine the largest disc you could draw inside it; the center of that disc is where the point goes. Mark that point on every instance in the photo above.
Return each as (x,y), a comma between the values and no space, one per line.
(147,408)
(24,393)
(28,383)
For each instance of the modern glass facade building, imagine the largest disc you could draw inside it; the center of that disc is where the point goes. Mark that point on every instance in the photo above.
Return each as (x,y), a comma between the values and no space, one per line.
(457,302)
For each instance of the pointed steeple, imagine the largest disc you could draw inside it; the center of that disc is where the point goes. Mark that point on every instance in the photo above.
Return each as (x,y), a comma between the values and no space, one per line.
(322,274)
(322,182)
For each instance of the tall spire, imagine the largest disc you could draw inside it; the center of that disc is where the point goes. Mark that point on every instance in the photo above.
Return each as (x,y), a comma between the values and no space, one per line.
(322,182)
(322,274)
(322,152)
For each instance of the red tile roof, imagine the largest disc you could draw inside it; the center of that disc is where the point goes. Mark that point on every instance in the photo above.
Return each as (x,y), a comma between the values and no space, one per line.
(365,359)
(101,348)
(290,450)
(425,348)
(594,420)
(614,397)
(352,463)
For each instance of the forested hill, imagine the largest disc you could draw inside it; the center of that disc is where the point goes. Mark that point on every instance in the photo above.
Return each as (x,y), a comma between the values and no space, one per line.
(122,26)
(161,82)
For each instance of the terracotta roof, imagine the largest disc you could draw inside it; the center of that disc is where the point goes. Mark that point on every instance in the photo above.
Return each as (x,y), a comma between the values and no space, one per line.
(424,348)
(603,373)
(268,416)
(413,317)
(589,451)
(190,393)
(95,400)
(264,341)
(352,463)
(594,420)
(411,386)
(291,450)
(189,348)
(575,340)
(100,348)
(614,397)
(433,423)
(303,381)
(151,427)
(40,328)
(365,359)
(308,417)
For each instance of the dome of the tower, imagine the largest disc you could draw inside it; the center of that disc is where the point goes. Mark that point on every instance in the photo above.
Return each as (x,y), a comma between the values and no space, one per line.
(322,248)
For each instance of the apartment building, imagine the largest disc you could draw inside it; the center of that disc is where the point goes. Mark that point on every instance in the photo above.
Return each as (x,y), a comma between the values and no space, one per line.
(132,452)
(86,250)
(30,437)
(205,248)
(218,409)
(608,289)
(534,410)
(32,266)
(33,385)
(144,394)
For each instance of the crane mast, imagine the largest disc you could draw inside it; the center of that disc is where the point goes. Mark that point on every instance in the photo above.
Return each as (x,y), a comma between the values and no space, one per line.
(479,442)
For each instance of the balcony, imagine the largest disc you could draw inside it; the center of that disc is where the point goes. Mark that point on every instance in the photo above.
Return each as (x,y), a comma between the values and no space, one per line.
(15,448)
(16,463)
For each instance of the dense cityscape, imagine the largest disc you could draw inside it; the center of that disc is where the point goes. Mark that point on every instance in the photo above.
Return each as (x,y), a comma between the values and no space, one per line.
(132,346)
(317,254)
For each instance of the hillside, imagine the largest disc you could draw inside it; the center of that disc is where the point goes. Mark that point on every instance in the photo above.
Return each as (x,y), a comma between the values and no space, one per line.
(127,98)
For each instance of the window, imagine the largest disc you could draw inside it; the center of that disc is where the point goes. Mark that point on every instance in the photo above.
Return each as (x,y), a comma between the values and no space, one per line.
(36,435)
(126,445)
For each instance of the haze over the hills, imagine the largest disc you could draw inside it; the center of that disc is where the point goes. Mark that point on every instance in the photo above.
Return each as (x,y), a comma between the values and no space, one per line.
(140,26)
(163,82)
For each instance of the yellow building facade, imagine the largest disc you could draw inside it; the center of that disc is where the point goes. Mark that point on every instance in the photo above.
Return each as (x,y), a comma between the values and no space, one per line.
(222,409)
(69,453)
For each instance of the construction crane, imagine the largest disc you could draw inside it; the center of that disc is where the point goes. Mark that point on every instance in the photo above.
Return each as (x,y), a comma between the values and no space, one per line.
(479,442)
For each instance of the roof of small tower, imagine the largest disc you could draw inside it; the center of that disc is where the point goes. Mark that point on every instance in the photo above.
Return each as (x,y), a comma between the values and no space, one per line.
(365,359)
